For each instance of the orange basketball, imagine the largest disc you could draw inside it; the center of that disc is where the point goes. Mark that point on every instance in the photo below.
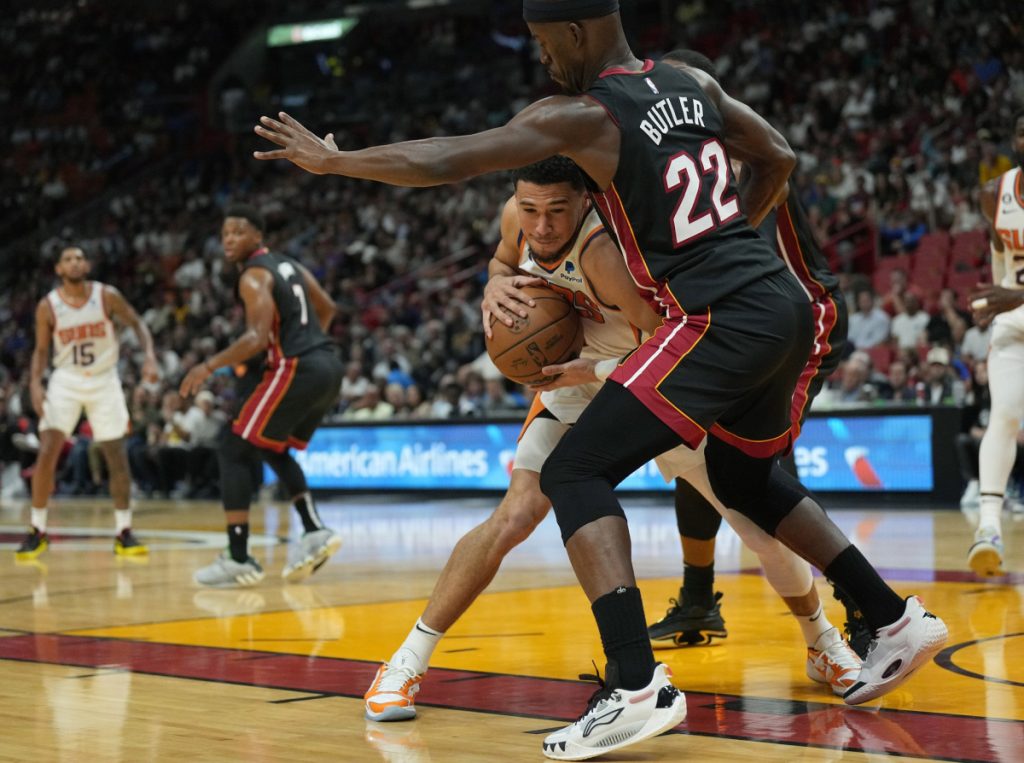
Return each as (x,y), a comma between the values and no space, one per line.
(550,333)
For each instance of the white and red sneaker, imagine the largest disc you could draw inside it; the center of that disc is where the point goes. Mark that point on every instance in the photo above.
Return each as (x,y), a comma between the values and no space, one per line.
(897,650)
(832,661)
(616,718)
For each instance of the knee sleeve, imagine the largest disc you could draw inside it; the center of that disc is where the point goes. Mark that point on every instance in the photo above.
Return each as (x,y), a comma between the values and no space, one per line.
(695,516)
(578,495)
(288,471)
(758,488)
(236,468)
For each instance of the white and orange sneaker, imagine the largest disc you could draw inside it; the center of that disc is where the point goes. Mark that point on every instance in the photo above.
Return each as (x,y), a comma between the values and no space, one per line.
(392,695)
(831,661)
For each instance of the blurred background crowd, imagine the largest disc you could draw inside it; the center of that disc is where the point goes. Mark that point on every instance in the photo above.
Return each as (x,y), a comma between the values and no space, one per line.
(135,164)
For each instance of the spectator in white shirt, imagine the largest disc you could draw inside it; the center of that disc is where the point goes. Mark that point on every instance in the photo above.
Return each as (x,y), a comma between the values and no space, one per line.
(869,326)
(908,327)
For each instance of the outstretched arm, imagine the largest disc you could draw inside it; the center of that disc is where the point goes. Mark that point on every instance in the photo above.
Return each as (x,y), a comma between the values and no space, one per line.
(256,289)
(118,307)
(575,127)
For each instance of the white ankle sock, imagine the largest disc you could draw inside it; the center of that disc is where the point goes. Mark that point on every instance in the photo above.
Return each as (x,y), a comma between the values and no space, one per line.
(827,639)
(122,519)
(990,511)
(813,625)
(417,648)
(39,519)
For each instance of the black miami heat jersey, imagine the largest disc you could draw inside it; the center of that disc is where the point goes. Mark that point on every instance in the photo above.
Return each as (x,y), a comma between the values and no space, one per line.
(787,228)
(673,203)
(296,330)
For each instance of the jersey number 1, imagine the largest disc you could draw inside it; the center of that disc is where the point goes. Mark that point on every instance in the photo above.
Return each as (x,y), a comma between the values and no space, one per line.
(301,296)
(682,171)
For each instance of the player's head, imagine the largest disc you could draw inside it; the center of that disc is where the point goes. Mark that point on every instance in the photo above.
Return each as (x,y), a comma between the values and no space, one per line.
(693,59)
(552,201)
(72,265)
(1017,137)
(241,233)
(575,38)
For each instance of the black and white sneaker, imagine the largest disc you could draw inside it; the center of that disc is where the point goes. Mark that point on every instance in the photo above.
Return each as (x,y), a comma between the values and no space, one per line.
(897,651)
(616,717)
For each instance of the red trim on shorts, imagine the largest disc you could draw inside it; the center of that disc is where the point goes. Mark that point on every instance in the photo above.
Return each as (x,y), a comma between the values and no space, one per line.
(260,406)
(755,448)
(537,407)
(295,442)
(823,328)
(793,254)
(643,372)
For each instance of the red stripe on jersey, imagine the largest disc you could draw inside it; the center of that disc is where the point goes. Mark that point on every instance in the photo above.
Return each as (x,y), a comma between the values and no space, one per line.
(1018,188)
(658,294)
(823,326)
(264,401)
(654,360)
(793,254)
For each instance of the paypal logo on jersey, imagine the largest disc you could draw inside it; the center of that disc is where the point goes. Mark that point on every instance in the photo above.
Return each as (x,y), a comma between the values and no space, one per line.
(569,267)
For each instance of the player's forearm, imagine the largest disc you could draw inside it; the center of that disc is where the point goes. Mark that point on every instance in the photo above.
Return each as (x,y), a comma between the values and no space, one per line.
(763,186)
(498,268)
(37,366)
(414,164)
(239,351)
(145,339)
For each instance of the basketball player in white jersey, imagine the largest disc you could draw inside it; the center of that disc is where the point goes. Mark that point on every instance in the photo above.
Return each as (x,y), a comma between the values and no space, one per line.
(1002,203)
(551,235)
(77,318)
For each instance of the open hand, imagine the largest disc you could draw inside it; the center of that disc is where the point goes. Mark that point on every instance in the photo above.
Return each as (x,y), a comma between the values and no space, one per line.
(193,381)
(997,299)
(298,145)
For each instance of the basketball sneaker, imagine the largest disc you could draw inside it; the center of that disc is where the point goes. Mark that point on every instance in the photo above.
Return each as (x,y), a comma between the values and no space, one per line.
(616,717)
(687,623)
(35,543)
(831,661)
(897,650)
(392,695)
(314,549)
(985,557)
(225,572)
(126,544)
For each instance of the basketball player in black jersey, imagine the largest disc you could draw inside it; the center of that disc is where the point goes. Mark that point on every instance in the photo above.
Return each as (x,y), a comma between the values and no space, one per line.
(286,315)
(656,142)
(695,617)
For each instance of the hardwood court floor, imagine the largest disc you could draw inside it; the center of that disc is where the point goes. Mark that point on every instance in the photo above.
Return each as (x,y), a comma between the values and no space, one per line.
(107,660)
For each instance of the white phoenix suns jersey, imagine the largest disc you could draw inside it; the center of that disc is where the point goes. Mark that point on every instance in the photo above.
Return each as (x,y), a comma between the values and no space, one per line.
(84,340)
(606,331)
(1009,224)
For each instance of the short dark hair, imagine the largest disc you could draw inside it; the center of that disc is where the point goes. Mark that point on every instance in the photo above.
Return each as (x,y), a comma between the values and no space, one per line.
(554,169)
(246,212)
(694,59)
(64,247)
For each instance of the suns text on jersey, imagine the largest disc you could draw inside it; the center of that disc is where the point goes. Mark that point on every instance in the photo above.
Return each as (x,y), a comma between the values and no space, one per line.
(85,331)
(672,112)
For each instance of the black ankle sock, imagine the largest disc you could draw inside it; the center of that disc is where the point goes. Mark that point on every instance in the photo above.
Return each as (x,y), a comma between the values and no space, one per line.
(699,584)
(879,604)
(620,619)
(306,508)
(238,541)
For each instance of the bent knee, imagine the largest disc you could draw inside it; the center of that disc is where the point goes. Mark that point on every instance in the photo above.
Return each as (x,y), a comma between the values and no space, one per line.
(518,516)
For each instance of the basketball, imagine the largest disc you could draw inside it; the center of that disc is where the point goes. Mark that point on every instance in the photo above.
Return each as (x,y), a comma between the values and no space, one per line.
(550,333)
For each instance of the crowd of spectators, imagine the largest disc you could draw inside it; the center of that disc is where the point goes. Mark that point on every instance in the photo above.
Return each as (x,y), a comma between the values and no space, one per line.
(890,147)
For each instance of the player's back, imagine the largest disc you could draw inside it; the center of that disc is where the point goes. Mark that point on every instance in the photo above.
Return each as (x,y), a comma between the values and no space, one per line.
(296,330)
(84,340)
(673,202)
(1009,225)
